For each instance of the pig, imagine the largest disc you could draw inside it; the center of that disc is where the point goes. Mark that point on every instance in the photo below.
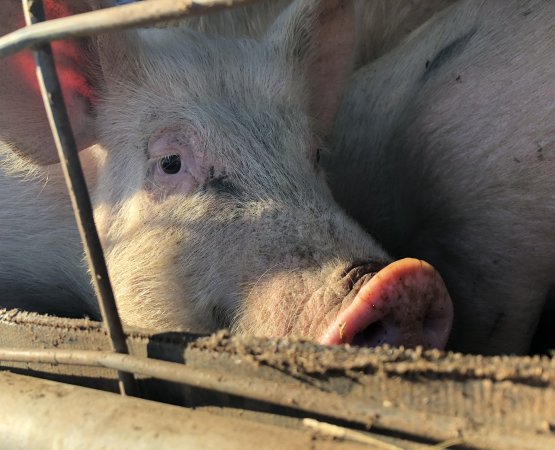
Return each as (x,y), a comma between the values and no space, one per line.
(380,25)
(202,152)
(444,150)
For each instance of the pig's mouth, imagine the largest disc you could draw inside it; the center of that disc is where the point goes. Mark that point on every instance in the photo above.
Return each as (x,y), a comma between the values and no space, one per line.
(405,303)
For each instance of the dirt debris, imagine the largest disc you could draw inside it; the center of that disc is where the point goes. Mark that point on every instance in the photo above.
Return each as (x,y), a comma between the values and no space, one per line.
(299,357)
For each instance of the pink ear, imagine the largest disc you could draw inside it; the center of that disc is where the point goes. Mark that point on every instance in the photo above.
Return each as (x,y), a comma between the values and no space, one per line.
(23,124)
(318,36)
(332,62)
(72,77)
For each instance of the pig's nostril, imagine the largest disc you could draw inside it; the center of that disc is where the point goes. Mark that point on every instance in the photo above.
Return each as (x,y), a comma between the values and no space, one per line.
(373,335)
(432,321)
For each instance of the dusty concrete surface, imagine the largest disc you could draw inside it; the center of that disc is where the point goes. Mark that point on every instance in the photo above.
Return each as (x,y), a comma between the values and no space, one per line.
(482,402)
(39,414)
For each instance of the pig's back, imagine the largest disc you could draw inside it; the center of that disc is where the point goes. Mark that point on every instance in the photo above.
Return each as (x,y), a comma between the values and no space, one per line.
(446,152)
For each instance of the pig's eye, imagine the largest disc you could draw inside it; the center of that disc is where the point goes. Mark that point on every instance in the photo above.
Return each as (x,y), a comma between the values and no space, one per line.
(318,151)
(170,164)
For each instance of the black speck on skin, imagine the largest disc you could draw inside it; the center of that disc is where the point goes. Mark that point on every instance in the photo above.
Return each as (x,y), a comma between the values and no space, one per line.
(222,185)
(448,52)
(539,152)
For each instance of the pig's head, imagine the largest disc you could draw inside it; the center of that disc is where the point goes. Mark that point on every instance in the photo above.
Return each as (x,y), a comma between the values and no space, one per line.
(211,205)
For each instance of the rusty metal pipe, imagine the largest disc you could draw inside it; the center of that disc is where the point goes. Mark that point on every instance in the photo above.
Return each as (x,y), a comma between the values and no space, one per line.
(67,151)
(234,384)
(110,19)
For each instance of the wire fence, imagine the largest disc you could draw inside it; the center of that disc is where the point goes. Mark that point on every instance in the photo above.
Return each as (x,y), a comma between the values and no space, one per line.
(37,36)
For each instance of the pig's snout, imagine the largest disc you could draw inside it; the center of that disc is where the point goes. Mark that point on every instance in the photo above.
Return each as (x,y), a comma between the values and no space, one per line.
(406,303)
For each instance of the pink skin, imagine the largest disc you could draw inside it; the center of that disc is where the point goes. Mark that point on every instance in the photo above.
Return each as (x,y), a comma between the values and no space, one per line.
(68,54)
(27,126)
(406,303)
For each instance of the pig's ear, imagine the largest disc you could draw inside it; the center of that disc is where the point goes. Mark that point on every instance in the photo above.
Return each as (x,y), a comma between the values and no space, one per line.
(23,123)
(317,37)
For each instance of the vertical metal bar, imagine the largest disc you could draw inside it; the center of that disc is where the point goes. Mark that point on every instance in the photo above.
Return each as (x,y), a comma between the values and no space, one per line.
(75,181)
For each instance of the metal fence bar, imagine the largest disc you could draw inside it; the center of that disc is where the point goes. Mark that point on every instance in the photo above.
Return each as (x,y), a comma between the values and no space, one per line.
(110,19)
(75,181)
(234,384)
(37,36)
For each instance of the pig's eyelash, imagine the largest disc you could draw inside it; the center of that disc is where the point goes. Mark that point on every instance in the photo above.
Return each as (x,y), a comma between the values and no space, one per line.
(155,159)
